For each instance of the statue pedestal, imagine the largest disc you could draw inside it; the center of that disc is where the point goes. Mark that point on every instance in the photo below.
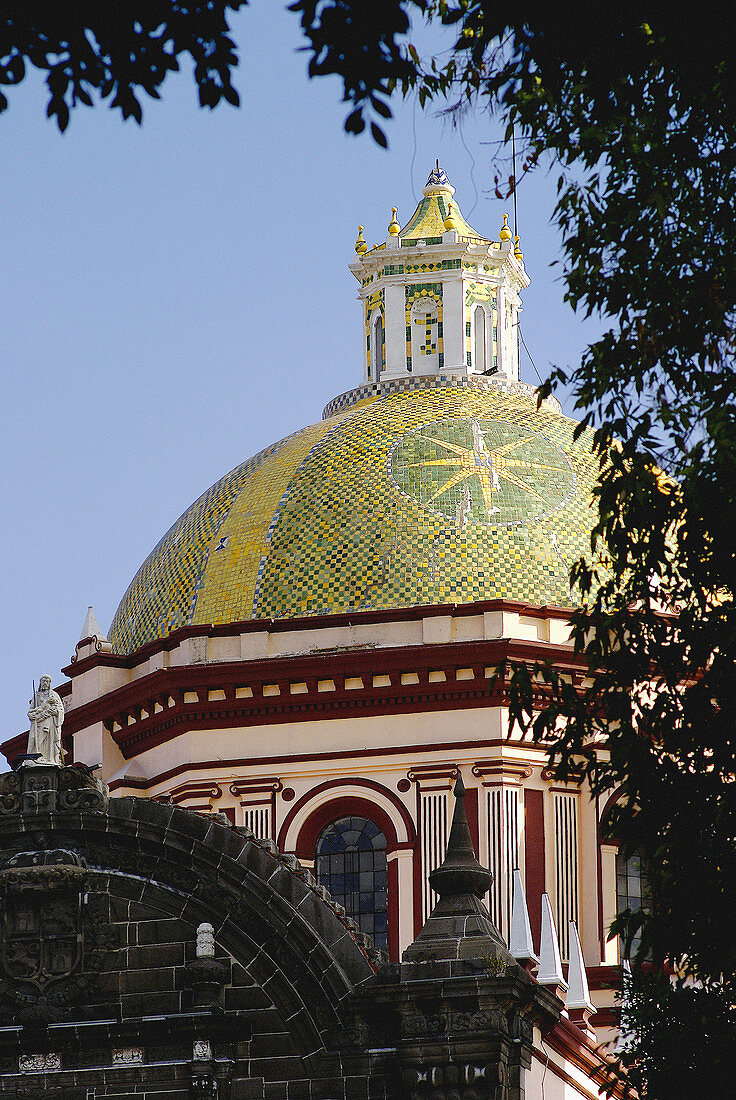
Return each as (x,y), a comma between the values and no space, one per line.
(39,787)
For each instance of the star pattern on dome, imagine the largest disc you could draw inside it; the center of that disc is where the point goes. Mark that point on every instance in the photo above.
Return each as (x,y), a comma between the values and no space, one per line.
(494,480)
(488,466)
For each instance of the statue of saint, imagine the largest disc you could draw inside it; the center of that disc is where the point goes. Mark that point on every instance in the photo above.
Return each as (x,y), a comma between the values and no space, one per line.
(46,715)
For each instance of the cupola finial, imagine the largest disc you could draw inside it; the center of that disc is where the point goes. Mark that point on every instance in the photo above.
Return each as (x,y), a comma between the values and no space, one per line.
(505,233)
(394,227)
(438,178)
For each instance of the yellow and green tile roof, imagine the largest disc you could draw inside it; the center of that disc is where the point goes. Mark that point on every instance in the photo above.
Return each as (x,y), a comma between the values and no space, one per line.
(428,220)
(435,495)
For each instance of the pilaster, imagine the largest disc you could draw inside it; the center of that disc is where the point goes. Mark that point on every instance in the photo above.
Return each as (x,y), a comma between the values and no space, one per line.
(395,326)
(453,313)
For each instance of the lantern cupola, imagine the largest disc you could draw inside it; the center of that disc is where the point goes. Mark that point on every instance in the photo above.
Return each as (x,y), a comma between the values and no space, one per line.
(438,297)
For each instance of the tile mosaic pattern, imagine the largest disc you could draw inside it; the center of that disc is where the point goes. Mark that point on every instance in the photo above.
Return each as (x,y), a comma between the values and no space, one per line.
(427,494)
(229,575)
(431,325)
(480,292)
(485,471)
(177,576)
(162,593)
(374,539)
(396,385)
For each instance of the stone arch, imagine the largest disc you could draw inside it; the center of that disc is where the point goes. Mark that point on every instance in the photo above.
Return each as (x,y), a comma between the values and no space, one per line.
(160,864)
(250,894)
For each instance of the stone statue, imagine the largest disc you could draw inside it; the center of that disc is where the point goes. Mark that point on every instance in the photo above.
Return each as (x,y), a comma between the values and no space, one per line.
(46,715)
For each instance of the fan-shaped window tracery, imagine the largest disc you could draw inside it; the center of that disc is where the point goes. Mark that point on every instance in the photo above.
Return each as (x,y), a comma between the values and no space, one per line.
(350,860)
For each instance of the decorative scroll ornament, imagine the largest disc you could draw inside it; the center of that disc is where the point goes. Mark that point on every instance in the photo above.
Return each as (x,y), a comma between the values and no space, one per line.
(39,1063)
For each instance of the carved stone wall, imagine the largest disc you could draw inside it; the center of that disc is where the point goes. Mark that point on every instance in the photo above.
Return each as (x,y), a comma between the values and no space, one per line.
(100,984)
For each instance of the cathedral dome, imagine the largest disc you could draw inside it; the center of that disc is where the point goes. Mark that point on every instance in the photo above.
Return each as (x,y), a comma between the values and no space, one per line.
(420,491)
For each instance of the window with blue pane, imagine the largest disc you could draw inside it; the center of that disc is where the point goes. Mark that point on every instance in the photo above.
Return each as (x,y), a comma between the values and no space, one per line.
(350,861)
(632,892)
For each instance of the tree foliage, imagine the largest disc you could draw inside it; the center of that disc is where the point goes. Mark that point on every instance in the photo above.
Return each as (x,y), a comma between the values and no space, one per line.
(638,111)
(116,51)
(637,107)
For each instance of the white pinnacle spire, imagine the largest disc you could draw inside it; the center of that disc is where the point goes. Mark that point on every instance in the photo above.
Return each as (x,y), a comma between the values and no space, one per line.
(91,628)
(521,944)
(578,994)
(550,963)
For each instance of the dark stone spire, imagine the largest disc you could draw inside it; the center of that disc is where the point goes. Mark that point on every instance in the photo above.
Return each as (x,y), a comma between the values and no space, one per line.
(459,926)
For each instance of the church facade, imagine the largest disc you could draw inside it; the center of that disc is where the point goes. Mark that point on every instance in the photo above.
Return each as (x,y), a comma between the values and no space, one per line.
(315,658)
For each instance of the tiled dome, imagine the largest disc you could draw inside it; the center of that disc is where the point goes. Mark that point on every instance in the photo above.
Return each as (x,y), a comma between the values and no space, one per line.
(431,492)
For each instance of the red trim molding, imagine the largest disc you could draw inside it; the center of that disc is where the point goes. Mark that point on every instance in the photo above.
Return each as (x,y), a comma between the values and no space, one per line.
(313,825)
(494,772)
(196,789)
(235,763)
(255,785)
(314,622)
(604,977)
(158,707)
(572,1044)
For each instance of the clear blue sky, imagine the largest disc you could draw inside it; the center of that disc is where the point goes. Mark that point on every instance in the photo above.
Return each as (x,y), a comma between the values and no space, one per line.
(176,296)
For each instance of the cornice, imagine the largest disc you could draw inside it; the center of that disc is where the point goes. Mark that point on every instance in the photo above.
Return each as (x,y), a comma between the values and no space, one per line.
(461,246)
(394,680)
(101,659)
(567,1039)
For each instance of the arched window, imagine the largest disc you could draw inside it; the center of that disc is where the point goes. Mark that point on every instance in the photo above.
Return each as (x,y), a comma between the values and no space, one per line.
(377,348)
(350,860)
(480,362)
(631,892)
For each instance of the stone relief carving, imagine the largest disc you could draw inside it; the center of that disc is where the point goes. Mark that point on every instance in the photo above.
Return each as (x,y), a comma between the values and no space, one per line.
(128,1056)
(53,934)
(205,941)
(205,1086)
(39,1063)
(39,788)
(202,1050)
